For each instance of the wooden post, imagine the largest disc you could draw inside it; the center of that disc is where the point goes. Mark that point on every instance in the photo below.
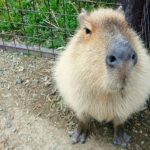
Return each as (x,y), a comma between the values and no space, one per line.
(137,14)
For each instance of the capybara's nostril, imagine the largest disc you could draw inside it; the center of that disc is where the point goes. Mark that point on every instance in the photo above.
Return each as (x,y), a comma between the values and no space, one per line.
(111,61)
(134,57)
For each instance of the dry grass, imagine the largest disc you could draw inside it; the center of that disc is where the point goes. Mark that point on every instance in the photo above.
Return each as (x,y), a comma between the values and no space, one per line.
(30,81)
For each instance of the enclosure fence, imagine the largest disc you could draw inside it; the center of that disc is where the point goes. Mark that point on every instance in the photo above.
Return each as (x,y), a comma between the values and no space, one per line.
(44,26)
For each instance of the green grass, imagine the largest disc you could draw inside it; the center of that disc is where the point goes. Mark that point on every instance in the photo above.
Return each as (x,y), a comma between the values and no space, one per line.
(37,22)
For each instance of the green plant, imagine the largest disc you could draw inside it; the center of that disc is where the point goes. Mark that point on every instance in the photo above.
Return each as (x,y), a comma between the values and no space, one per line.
(42,22)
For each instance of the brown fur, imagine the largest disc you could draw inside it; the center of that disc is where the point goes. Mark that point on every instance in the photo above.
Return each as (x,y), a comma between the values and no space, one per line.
(85,82)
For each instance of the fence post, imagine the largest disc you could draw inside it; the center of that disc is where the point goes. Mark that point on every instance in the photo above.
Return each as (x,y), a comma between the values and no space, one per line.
(137,14)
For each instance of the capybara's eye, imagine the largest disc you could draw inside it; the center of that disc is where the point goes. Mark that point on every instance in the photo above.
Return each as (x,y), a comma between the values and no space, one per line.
(87,31)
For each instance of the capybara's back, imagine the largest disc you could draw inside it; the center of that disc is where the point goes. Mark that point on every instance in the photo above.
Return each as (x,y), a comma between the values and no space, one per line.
(104,72)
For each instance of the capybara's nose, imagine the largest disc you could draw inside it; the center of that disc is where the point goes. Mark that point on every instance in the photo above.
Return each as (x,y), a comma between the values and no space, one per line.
(120,54)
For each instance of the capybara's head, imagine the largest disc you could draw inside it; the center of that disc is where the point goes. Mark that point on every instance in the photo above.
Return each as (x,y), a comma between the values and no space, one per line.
(111,52)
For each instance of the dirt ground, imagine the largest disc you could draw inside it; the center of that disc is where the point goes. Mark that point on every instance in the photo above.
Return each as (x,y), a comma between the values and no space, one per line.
(33,116)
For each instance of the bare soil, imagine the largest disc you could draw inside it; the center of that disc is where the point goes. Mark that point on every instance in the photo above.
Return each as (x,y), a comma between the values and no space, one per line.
(33,116)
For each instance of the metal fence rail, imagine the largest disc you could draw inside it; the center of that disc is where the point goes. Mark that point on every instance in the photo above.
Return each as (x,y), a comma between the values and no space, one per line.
(42,26)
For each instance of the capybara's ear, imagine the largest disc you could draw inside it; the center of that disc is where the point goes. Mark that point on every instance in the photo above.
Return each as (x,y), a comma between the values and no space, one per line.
(82,16)
(120,9)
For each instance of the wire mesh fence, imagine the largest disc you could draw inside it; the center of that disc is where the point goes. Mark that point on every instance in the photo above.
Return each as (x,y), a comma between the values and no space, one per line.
(43,26)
